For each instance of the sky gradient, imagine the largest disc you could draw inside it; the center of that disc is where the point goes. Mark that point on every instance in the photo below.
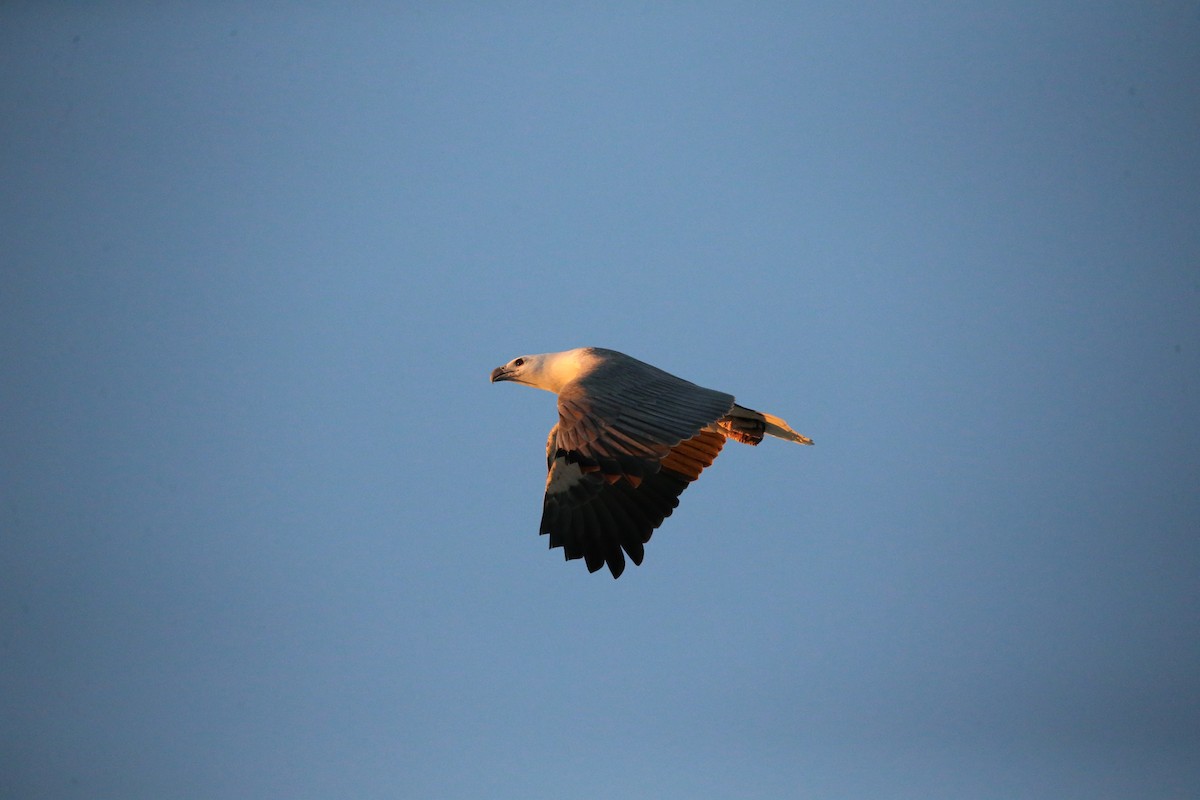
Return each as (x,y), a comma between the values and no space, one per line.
(267,531)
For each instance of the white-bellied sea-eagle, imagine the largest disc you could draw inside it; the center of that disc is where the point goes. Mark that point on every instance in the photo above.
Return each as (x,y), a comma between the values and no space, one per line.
(629,439)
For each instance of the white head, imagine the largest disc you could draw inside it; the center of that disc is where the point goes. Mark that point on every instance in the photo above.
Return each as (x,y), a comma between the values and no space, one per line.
(549,371)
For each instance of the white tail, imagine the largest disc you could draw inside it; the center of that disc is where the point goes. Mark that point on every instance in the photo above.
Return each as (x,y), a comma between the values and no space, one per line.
(780,429)
(748,426)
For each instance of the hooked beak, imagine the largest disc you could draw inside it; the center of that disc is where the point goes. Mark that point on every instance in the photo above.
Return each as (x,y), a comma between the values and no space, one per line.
(499,374)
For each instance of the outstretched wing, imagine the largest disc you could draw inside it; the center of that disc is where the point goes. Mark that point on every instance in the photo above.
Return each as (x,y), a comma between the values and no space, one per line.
(629,440)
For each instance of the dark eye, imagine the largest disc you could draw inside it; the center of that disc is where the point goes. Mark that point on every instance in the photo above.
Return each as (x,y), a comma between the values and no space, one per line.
(518,362)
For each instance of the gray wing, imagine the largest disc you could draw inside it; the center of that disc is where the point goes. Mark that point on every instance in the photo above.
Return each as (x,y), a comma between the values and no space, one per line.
(629,440)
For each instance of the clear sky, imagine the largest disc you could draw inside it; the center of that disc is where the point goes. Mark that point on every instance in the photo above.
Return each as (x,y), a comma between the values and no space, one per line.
(267,531)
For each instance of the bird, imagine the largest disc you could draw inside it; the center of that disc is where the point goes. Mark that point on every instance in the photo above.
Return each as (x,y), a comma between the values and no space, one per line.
(630,438)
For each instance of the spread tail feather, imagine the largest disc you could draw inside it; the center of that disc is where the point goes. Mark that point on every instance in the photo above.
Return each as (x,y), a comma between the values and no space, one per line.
(748,427)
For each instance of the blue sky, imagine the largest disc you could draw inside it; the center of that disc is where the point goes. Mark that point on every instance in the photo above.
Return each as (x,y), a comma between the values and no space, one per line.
(266,530)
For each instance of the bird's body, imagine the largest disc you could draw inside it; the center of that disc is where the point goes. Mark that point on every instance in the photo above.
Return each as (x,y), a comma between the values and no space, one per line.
(629,439)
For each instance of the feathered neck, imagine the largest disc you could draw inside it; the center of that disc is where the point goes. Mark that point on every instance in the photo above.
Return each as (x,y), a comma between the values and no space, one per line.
(553,371)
